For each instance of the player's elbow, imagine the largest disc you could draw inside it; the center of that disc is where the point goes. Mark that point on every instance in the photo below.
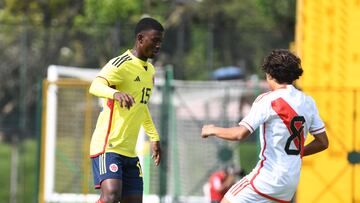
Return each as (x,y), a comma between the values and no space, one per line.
(91,89)
(324,144)
(238,137)
(241,133)
(234,134)
(94,87)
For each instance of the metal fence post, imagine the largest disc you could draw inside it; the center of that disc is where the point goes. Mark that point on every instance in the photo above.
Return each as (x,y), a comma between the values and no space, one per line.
(164,131)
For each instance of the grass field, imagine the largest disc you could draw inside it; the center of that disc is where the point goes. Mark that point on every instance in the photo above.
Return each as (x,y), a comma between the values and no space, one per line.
(5,152)
(248,155)
(27,166)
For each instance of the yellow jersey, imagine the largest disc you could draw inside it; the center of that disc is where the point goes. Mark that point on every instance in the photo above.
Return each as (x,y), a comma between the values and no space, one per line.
(117,128)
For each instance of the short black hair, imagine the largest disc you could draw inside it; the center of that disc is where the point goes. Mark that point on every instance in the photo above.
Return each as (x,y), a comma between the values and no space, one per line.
(148,24)
(283,66)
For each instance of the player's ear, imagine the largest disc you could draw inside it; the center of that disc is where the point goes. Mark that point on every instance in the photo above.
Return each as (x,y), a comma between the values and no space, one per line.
(268,76)
(140,37)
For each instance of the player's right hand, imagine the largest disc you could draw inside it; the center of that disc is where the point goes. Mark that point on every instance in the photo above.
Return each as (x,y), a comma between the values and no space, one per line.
(124,99)
(207,130)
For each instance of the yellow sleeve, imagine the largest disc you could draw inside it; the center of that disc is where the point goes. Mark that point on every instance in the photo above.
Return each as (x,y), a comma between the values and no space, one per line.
(112,74)
(149,127)
(99,87)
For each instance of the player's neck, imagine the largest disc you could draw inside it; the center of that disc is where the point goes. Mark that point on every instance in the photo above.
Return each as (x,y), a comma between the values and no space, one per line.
(279,86)
(276,86)
(137,54)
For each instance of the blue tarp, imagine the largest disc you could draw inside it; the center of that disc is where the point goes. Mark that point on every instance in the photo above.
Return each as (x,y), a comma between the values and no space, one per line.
(228,73)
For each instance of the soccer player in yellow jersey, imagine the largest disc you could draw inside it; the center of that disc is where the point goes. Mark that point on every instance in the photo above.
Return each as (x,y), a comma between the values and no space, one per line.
(126,83)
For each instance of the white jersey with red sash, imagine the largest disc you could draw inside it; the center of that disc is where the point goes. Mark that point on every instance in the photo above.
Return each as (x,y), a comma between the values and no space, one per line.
(285,117)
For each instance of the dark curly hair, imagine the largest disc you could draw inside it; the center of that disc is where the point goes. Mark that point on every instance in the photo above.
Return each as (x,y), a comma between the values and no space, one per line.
(283,66)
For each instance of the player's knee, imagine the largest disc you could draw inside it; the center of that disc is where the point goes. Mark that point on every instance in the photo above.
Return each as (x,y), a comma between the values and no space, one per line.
(111,196)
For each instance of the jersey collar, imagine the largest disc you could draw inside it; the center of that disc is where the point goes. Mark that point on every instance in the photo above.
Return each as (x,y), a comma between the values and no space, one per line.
(143,63)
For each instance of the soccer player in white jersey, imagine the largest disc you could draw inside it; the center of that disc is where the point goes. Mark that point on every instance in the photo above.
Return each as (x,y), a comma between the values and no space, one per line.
(285,116)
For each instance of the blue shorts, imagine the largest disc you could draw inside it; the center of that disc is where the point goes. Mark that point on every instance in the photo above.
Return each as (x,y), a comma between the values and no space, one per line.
(115,166)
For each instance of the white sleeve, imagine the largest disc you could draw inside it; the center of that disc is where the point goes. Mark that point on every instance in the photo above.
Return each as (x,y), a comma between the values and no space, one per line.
(259,113)
(317,125)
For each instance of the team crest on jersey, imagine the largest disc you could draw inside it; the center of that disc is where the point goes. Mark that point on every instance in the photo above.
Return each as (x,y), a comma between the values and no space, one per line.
(113,168)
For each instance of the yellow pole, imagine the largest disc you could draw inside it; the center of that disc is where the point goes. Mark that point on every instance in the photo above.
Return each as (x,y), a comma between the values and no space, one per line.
(70,83)
(86,144)
(43,140)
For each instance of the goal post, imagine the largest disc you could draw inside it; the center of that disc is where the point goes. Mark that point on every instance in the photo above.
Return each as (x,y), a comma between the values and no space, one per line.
(69,115)
(55,157)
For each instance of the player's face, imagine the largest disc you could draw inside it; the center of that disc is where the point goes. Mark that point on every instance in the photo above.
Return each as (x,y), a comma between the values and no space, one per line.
(150,43)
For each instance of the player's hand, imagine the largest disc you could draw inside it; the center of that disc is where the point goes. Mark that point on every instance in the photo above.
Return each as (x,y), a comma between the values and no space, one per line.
(207,130)
(124,99)
(156,152)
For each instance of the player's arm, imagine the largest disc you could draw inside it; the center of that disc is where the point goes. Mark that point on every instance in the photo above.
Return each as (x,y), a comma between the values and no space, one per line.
(258,114)
(235,133)
(319,144)
(317,129)
(100,88)
(151,131)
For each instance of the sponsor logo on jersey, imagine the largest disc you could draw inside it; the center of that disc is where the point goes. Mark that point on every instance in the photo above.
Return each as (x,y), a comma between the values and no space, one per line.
(137,79)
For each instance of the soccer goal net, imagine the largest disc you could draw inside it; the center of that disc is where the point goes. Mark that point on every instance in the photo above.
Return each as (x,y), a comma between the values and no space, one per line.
(69,117)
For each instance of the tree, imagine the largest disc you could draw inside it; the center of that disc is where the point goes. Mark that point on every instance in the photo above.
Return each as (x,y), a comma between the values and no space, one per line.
(234,33)
(37,33)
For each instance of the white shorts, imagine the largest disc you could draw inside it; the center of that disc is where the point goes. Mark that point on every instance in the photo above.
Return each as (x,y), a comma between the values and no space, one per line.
(242,192)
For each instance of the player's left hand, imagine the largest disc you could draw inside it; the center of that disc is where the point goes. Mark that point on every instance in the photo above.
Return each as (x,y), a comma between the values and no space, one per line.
(156,151)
